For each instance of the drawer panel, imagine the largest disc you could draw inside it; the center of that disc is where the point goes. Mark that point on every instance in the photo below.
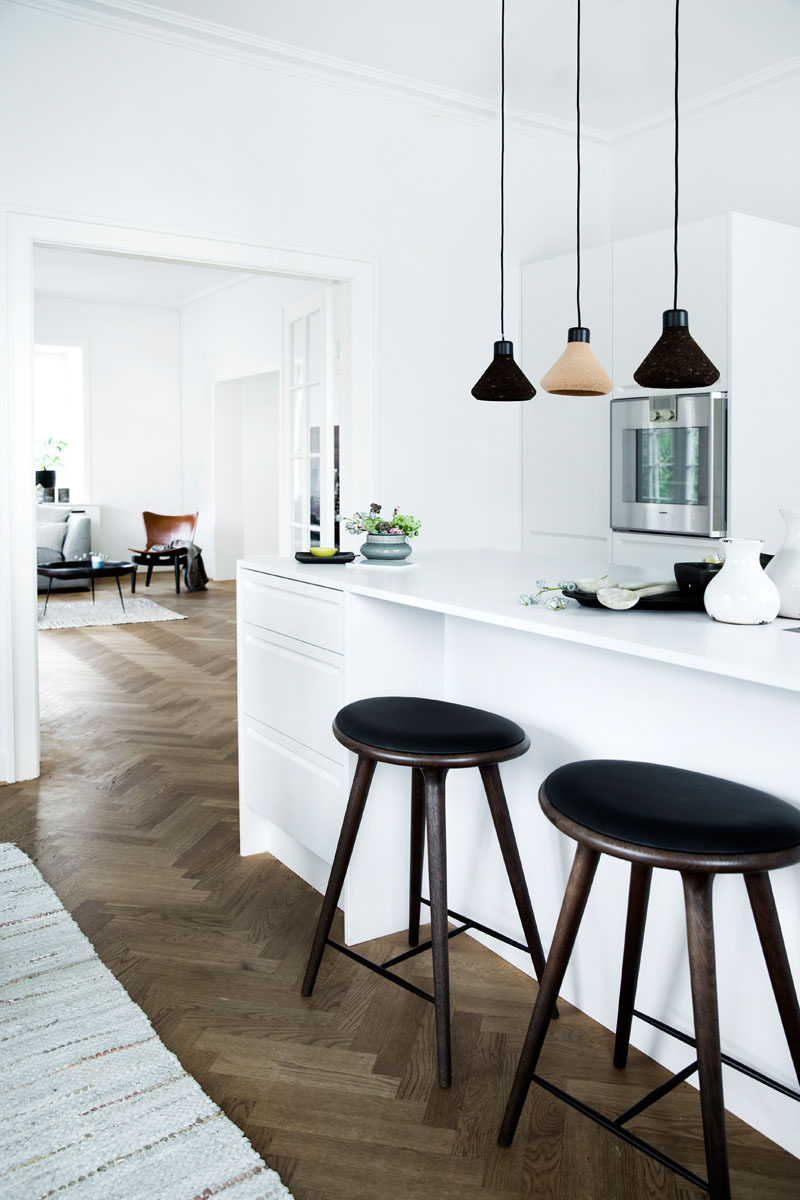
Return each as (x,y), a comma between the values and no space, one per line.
(311,614)
(297,790)
(292,687)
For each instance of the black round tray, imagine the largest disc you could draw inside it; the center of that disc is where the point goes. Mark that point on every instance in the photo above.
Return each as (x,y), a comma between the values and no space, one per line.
(342,556)
(666,602)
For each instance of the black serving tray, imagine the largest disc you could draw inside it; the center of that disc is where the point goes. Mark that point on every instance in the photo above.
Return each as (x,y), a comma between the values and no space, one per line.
(341,556)
(666,602)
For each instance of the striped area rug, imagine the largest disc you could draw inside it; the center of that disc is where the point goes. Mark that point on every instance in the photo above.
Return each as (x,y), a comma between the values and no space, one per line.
(77,614)
(93,1106)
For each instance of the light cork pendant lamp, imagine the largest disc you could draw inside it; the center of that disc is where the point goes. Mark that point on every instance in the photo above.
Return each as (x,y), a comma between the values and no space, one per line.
(676,360)
(577,372)
(503,380)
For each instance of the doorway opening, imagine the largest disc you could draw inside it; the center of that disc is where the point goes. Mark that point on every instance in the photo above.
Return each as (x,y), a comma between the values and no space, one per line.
(178,439)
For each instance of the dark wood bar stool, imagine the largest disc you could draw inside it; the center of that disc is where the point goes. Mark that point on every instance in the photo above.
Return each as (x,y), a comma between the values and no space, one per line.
(432,737)
(657,816)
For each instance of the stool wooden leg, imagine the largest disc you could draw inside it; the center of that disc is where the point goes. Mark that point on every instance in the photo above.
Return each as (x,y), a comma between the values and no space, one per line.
(417,854)
(437,872)
(362,779)
(516,877)
(177,565)
(768,925)
(149,575)
(697,890)
(577,893)
(638,896)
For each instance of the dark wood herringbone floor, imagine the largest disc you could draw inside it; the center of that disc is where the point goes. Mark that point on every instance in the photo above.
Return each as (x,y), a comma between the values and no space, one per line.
(134,823)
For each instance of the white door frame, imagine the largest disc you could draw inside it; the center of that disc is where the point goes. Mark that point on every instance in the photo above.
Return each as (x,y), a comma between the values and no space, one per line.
(21,230)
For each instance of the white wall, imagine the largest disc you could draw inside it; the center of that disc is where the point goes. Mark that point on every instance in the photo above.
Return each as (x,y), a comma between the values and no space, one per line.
(134,408)
(246,466)
(149,134)
(260,463)
(228,335)
(736,161)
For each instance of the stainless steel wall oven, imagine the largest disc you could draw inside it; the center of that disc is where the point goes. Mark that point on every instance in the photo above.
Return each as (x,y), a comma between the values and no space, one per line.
(669,464)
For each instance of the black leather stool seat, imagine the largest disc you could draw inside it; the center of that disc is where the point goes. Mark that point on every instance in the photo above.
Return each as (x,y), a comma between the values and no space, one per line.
(667,808)
(413,725)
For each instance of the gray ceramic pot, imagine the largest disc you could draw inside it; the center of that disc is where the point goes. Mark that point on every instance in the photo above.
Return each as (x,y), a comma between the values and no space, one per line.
(386,547)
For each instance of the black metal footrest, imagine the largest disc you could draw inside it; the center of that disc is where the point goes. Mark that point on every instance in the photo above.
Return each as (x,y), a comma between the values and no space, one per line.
(734,1063)
(382,969)
(615,1124)
(470,923)
(618,1131)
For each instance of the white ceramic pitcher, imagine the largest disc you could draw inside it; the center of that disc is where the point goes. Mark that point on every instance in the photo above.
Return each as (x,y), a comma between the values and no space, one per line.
(784,569)
(741,594)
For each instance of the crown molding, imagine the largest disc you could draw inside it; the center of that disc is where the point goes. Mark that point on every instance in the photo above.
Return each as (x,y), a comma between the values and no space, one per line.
(772,81)
(221,41)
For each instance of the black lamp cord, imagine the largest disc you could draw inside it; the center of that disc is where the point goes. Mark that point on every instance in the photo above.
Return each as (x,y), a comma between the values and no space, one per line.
(502,154)
(675,244)
(578,154)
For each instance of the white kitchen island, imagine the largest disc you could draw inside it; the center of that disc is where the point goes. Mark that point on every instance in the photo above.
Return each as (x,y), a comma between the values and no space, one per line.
(585,683)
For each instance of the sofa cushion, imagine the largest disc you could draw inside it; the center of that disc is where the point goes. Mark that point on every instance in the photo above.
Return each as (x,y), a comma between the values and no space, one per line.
(78,542)
(50,535)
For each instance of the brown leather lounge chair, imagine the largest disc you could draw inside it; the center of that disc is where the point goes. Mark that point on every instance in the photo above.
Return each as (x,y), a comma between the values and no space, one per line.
(160,530)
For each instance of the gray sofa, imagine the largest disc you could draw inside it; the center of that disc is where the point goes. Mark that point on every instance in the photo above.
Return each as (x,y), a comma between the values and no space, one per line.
(61,536)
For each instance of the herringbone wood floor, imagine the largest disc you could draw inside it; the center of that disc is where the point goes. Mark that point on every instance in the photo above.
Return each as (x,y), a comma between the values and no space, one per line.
(134,822)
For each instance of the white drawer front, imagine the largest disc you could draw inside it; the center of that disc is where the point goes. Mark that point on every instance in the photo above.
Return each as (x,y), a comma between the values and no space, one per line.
(311,614)
(292,687)
(300,792)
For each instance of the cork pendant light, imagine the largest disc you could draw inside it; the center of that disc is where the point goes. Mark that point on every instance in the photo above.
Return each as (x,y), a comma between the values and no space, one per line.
(676,360)
(503,379)
(577,372)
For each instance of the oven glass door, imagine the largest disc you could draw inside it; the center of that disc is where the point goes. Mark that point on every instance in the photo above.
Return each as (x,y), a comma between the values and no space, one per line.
(666,465)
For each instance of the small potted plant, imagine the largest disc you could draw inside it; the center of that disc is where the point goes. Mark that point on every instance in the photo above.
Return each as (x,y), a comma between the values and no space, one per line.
(48,457)
(387,541)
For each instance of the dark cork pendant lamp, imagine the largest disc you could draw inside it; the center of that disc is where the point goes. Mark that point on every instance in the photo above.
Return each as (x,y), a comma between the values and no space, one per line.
(676,360)
(503,379)
(577,372)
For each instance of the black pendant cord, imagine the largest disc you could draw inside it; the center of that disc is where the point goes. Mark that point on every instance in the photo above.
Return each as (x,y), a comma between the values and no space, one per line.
(578,155)
(675,243)
(502,156)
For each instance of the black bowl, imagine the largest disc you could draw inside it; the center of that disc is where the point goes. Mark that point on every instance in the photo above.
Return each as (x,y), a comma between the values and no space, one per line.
(694,577)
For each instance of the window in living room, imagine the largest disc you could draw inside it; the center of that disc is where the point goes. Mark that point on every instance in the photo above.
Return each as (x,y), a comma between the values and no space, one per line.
(59,416)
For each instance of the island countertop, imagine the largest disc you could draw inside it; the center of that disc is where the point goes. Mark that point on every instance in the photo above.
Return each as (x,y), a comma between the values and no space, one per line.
(485,585)
(584,683)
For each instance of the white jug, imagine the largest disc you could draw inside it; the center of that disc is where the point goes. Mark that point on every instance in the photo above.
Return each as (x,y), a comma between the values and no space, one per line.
(741,594)
(784,569)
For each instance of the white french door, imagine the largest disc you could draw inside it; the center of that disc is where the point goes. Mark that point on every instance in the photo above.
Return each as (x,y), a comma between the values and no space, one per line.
(309,423)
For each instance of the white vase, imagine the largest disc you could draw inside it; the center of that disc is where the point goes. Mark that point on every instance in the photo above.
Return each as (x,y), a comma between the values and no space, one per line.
(784,569)
(741,594)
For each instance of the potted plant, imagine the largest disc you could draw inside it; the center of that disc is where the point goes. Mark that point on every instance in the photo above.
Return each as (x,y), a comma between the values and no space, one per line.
(48,456)
(387,541)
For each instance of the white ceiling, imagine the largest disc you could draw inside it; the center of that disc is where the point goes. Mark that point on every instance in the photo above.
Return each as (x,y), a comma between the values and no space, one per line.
(96,276)
(454,44)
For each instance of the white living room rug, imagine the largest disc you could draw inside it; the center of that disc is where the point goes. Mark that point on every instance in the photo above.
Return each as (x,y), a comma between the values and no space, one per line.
(93,1105)
(74,614)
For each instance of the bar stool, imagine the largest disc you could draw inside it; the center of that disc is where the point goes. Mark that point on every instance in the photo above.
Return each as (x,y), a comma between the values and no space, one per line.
(432,737)
(657,816)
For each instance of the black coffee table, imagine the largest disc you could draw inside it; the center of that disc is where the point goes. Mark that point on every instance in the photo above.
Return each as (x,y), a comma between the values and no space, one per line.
(83,569)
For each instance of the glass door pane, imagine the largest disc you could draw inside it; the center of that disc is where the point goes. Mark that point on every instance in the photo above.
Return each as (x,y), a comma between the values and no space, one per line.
(672,465)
